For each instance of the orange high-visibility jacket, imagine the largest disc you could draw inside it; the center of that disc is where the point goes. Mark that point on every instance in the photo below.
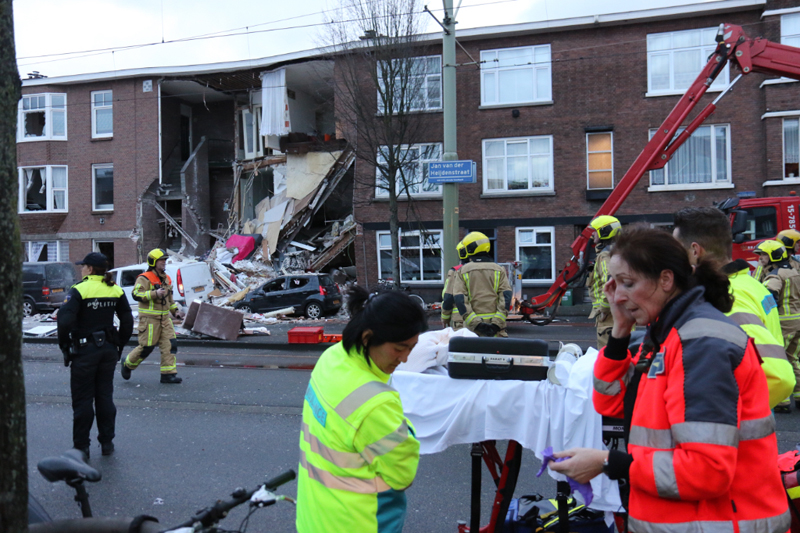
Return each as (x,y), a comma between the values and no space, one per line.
(702,437)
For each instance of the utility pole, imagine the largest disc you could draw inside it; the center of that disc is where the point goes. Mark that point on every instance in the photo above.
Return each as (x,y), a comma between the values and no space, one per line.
(449,190)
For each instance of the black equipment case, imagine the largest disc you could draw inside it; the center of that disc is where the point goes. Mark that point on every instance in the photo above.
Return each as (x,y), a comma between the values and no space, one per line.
(498,358)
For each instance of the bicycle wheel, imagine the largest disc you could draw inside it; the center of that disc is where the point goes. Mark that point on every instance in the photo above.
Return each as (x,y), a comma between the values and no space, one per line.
(419,300)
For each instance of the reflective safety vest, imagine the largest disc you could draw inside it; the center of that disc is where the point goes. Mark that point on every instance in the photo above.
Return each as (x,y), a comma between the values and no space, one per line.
(756,312)
(702,437)
(486,293)
(145,294)
(358,452)
(450,314)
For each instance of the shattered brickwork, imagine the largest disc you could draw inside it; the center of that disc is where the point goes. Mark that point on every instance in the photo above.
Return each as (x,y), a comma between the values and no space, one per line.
(599,80)
(133,150)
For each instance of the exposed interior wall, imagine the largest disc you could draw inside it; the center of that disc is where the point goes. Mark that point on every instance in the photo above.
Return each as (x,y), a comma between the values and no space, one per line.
(303,113)
(195,208)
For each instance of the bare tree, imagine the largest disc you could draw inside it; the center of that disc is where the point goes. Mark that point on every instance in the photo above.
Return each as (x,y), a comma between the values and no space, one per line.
(13,444)
(383,79)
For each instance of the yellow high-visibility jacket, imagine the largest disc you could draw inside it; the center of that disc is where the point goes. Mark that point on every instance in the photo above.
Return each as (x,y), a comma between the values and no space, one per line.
(358,452)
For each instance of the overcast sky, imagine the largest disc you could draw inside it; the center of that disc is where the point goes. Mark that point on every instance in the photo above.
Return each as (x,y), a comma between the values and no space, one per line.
(47,29)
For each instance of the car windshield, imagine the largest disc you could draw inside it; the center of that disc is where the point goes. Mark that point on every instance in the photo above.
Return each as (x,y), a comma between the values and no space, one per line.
(60,272)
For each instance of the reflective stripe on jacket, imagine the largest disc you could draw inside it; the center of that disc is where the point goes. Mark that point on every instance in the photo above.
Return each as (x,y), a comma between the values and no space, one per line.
(755,311)
(701,432)
(482,287)
(450,313)
(90,306)
(784,282)
(149,303)
(358,452)
(597,281)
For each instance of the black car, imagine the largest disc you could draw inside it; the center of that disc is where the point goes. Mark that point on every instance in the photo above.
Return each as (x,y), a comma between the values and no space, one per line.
(313,295)
(45,285)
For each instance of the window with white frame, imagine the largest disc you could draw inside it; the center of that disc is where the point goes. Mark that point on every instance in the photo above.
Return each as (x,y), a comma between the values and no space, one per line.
(412,178)
(422,77)
(703,161)
(522,164)
(39,251)
(600,160)
(516,75)
(536,253)
(420,256)
(102,114)
(790,29)
(42,117)
(674,59)
(43,189)
(791,148)
(103,187)
(251,133)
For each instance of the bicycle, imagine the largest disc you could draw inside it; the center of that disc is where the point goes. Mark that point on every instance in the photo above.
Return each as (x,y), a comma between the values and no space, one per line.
(388,285)
(71,468)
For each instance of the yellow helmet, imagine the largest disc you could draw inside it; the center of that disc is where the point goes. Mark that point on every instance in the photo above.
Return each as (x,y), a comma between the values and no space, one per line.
(462,250)
(788,238)
(476,243)
(154,256)
(606,226)
(775,250)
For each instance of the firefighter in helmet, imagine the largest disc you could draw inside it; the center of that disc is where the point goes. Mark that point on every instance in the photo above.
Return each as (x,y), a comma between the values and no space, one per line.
(153,291)
(450,315)
(605,230)
(783,282)
(481,290)
(790,238)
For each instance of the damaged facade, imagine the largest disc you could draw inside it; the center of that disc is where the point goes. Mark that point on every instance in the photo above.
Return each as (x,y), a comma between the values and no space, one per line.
(183,159)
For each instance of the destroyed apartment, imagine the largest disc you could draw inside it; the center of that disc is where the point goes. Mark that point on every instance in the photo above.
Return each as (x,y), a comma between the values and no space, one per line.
(225,163)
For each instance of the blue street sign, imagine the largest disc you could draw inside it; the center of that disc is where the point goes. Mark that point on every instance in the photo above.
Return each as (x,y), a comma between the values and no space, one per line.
(451,172)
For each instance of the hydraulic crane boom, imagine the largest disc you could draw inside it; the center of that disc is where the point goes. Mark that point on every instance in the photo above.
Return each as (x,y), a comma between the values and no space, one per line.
(734,47)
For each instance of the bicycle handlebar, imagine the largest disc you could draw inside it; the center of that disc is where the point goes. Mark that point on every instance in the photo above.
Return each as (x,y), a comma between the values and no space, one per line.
(213,514)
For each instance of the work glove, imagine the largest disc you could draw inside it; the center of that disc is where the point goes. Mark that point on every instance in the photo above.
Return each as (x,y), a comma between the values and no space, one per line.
(485,330)
(67,356)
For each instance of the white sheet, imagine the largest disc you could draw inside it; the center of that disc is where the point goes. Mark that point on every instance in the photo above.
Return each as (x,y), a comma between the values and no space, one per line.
(537,414)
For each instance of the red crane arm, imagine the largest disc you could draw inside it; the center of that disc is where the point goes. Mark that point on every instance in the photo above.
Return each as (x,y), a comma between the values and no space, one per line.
(748,55)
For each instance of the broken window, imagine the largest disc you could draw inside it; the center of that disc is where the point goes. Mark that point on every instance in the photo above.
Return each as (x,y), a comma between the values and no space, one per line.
(33,251)
(103,187)
(42,117)
(253,142)
(102,114)
(43,189)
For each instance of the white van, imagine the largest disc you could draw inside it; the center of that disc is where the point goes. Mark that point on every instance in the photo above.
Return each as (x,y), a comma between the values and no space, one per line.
(189,280)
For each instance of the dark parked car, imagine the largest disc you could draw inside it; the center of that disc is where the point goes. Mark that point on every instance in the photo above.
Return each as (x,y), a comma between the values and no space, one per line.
(45,285)
(313,295)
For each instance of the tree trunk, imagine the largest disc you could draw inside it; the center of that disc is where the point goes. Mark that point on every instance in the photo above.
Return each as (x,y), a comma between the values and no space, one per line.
(13,447)
(394,227)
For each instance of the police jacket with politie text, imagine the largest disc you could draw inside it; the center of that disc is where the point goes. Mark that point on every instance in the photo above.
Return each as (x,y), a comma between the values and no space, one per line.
(90,307)
(702,445)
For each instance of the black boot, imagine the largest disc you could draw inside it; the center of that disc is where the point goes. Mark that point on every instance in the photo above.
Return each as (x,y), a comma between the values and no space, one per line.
(125,371)
(107,448)
(170,378)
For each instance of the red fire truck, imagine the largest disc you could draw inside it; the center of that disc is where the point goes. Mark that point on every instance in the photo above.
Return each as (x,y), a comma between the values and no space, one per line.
(752,219)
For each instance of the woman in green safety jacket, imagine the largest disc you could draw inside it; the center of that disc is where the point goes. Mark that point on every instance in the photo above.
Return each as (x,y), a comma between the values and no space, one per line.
(358,452)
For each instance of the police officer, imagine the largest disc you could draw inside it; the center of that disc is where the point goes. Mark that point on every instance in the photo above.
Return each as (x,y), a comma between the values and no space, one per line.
(606,228)
(450,315)
(91,344)
(783,282)
(481,290)
(153,291)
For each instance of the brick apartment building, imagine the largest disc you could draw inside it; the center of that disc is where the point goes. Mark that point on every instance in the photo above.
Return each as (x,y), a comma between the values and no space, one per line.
(559,110)
(553,116)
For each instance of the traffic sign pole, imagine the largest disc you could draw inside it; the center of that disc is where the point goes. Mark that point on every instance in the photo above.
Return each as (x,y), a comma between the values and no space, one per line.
(451,234)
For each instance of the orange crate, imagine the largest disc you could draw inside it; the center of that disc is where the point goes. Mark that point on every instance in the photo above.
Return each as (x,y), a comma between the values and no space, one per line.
(333,337)
(305,335)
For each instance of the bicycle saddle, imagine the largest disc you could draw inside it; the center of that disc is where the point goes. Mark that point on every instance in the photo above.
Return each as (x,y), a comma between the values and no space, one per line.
(69,466)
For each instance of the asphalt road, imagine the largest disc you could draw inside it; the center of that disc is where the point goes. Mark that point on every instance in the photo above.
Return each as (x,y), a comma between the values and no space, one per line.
(181,447)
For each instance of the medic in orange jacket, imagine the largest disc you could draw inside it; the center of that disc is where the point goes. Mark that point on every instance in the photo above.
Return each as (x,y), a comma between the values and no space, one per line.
(702,449)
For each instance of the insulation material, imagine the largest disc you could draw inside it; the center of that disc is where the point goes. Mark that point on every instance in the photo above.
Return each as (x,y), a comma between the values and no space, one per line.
(308,171)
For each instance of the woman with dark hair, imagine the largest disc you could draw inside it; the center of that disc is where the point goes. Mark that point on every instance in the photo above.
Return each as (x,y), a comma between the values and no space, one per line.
(702,450)
(92,345)
(358,452)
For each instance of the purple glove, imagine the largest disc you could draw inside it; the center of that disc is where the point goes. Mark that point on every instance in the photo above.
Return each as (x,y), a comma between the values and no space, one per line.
(585,489)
